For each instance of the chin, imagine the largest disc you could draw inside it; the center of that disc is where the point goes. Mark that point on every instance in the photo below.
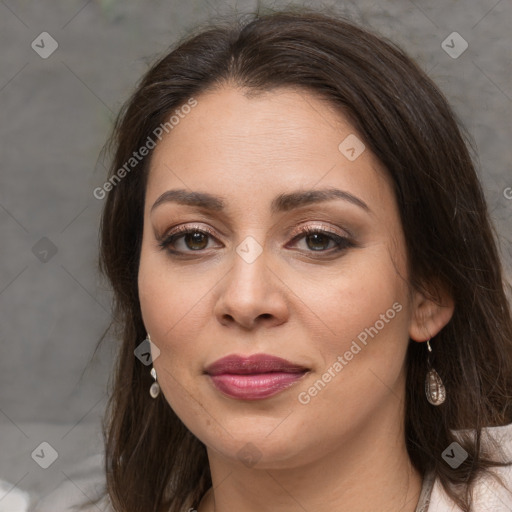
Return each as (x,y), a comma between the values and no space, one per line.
(260,450)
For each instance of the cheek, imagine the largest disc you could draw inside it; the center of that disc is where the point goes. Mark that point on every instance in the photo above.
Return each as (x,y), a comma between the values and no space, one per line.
(171,306)
(365,318)
(169,295)
(172,311)
(353,298)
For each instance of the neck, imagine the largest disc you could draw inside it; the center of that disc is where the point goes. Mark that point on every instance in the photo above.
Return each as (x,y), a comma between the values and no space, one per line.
(369,471)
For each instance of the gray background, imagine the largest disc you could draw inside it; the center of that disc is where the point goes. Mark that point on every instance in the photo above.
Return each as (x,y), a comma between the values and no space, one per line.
(55,116)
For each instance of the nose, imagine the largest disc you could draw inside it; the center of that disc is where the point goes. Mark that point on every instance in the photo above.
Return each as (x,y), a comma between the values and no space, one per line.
(250,294)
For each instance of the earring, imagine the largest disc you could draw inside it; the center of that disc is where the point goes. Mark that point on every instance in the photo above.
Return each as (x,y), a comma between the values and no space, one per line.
(154,390)
(434,387)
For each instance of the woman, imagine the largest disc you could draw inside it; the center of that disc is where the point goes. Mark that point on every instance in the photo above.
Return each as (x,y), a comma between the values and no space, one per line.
(304,267)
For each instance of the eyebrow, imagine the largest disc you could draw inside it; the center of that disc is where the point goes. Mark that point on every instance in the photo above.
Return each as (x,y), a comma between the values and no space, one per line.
(281,203)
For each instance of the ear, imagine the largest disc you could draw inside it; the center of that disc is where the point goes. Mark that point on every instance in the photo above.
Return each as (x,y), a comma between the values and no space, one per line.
(430,313)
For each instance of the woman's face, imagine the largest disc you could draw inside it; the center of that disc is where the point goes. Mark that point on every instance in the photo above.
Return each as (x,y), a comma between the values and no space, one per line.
(252,173)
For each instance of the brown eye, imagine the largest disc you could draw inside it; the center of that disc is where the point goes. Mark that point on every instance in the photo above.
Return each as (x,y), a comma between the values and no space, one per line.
(318,240)
(193,240)
(196,240)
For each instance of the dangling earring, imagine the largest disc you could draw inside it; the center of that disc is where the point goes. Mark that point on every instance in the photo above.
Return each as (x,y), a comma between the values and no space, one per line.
(434,387)
(154,390)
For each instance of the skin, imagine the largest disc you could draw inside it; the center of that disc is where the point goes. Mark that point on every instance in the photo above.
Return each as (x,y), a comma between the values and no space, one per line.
(300,300)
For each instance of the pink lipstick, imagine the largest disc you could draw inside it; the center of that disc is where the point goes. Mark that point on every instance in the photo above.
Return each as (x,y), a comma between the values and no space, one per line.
(255,377)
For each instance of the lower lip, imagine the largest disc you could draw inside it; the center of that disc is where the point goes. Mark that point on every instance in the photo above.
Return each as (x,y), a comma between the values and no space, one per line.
(254,387)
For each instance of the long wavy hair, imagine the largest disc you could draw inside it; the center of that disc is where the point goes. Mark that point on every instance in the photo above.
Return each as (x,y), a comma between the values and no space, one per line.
(153,463)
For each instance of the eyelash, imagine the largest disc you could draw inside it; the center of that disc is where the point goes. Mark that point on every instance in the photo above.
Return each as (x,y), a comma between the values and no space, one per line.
(341,242)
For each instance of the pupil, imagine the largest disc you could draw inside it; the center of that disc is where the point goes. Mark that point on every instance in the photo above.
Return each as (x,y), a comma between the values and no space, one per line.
(196,238)
(316,236)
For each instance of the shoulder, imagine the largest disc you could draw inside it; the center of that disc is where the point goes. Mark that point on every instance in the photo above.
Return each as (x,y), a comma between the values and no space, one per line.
(488,493)
(12,498)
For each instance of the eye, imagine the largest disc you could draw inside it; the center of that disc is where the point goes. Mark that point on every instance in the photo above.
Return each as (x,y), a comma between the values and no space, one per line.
(195,239)
(318,240)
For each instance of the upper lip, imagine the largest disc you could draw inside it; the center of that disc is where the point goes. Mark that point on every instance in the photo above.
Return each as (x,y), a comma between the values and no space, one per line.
(254,364)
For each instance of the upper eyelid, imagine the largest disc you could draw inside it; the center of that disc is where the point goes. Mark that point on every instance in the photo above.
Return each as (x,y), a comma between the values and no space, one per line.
(179,232)
(301,230)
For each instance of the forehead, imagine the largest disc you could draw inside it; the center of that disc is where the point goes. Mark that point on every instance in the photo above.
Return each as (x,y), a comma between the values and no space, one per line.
(238,144)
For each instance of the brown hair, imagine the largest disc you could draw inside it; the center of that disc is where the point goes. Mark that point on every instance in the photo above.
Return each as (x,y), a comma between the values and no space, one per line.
(153,462)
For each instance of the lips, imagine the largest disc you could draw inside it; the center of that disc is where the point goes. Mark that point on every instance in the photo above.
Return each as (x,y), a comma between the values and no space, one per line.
(255,377)
(255,364)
